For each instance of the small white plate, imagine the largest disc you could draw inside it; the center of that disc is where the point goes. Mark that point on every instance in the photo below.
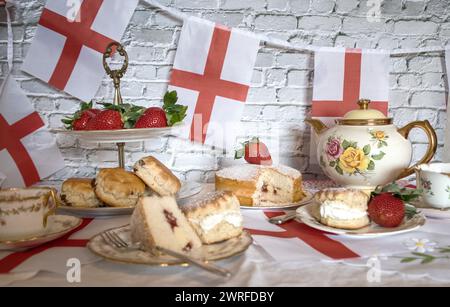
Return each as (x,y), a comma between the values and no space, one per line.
(57,226)
(120,135)
(188,189)
(306,215)
(271,206)
(431,212)
(210,252)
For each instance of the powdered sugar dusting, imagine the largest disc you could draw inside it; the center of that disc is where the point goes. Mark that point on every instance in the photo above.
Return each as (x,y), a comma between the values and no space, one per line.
(248,172)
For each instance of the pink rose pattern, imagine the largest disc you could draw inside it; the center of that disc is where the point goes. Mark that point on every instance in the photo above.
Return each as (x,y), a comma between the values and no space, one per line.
(334,148)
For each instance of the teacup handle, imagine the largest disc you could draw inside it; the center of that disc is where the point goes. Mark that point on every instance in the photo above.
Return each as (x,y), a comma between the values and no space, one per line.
(51,194)
(432,143)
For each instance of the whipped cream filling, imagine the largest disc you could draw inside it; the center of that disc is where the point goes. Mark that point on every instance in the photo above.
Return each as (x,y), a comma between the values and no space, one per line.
(339,210)
(209,222)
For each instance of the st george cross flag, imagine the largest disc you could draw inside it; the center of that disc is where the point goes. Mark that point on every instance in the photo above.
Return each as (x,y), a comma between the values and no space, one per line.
(28,152)
(446,157)
(70,40)
(212,72)
(342,76)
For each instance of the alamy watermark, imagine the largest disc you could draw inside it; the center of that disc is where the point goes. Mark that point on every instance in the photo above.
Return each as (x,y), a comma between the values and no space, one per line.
(73,274)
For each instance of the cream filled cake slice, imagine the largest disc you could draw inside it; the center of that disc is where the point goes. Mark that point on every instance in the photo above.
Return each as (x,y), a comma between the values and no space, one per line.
(260,186)
(215,217)
(158,221)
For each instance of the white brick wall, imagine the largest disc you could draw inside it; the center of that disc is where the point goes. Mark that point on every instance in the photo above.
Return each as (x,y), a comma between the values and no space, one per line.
(281,91)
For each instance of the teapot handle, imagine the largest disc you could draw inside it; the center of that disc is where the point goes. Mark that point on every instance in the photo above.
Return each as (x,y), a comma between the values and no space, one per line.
(432,143)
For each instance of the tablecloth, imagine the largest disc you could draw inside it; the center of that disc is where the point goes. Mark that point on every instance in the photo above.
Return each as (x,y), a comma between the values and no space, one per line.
(291,254)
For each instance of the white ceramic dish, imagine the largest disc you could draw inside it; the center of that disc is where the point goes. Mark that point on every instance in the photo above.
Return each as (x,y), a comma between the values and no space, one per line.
(120,135)
(57,226)
(210,252)
(306,215)
(303,202)
(188,189)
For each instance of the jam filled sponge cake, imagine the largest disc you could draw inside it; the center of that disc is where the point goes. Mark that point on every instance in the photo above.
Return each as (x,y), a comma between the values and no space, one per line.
(158,221)
(215,217)
(342,208)
(79,192)
(157,176)
(260,186)
(118,188)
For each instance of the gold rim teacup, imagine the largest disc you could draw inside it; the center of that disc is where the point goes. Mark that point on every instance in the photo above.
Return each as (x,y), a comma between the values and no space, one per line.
(24,211)
(434,180)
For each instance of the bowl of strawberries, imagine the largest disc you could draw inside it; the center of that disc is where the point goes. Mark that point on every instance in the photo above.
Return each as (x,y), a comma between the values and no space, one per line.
(125,122)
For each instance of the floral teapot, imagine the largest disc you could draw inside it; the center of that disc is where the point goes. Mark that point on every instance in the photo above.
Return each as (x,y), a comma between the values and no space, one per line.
(364,149)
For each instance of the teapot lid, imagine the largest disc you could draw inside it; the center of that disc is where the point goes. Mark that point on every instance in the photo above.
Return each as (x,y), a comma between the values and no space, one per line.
(364,116)
(364,112)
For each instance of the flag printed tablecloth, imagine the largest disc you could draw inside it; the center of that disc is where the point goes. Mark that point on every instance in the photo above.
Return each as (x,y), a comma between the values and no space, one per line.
(290,243)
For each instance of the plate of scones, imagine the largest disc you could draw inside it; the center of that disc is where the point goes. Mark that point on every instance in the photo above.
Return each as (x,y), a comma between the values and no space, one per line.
(209,227)
(115,191)
(263,186)
(345,212)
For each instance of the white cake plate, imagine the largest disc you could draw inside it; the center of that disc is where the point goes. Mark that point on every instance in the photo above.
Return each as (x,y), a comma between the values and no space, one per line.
(120,135)
(188,189)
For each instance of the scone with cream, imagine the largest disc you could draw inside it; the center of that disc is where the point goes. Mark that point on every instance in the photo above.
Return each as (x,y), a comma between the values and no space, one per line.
(157,176)
(215,217)
(118,188)
(158,221)
(342,208)
(79,192)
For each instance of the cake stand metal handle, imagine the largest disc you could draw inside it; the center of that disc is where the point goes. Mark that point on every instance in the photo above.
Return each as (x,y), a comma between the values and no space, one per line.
(116,75)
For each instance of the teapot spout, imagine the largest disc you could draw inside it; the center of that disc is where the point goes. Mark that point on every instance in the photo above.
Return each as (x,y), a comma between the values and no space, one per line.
(318,126)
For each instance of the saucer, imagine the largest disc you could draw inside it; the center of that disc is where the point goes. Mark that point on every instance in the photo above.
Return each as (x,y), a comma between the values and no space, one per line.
(308,213)
(57,226)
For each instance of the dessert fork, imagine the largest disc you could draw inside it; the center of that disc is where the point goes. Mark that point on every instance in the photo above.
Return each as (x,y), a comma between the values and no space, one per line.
(115,240)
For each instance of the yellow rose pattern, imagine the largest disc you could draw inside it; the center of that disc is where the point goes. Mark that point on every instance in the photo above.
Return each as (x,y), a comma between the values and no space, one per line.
(379,138)
(351,158)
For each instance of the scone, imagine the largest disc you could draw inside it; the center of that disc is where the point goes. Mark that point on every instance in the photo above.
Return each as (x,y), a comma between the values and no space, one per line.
(259,186)
(118,188)
(157,176)
(343,208)
(79,192)
(215,217)
(157,221)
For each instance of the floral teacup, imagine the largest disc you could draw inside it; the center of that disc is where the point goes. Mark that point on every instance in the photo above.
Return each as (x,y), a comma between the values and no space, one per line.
(24,212)
(434,180)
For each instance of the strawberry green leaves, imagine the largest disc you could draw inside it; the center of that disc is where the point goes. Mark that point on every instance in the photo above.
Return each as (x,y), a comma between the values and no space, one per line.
(174,112)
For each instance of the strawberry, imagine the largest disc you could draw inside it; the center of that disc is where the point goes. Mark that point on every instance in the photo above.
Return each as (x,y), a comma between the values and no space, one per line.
(387,210)
(106,120)
(80,119)
(153,117)
(168,115)
(254,152)
(387,205)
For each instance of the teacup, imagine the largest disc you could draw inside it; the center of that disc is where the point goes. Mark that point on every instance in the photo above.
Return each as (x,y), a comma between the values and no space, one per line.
(434,180)
(24,212)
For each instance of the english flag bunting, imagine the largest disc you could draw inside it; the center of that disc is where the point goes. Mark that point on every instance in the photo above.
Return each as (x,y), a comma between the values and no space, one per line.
(70,40)
(212,72)
(342,76)
(28,152)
